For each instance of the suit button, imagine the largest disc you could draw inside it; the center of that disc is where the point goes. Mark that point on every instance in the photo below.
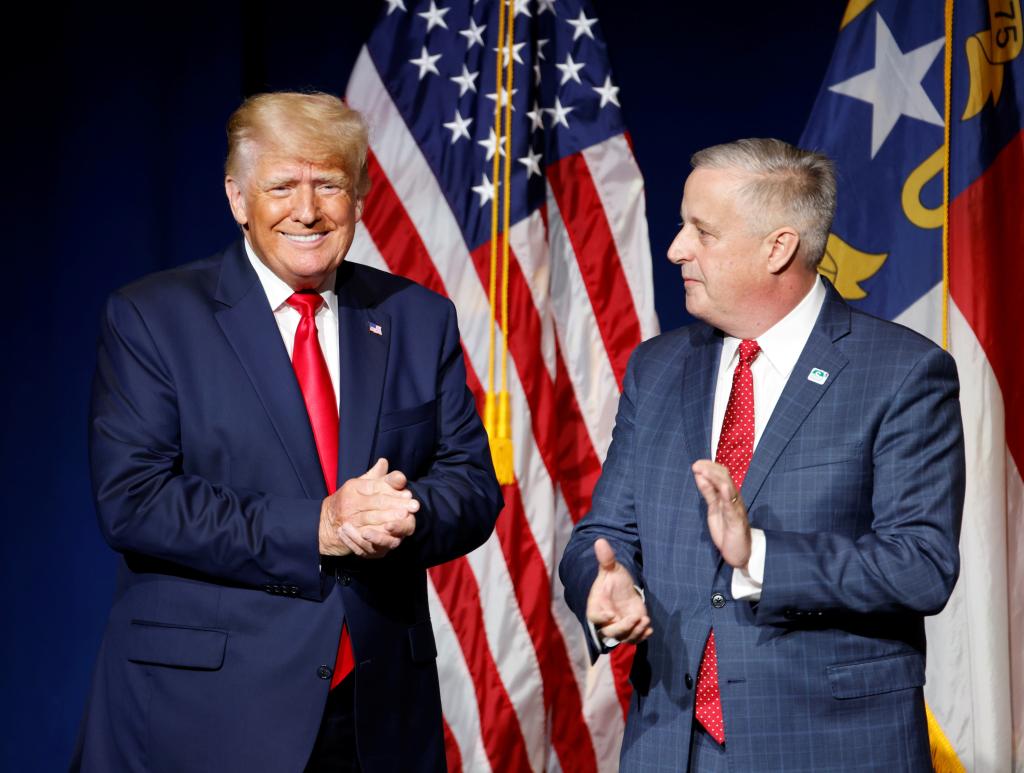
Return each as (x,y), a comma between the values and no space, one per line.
(293,590)
(324,672)
(789,614)
(689,681)
(717,600)
(344,578)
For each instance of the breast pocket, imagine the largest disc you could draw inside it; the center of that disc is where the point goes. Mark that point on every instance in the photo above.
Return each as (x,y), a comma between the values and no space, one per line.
(407,438)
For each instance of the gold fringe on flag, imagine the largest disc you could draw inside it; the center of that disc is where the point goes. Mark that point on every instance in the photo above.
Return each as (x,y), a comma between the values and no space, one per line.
(497,407)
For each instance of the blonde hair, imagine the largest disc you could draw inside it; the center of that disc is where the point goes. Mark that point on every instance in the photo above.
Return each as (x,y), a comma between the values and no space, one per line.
(788,184)
(314,127)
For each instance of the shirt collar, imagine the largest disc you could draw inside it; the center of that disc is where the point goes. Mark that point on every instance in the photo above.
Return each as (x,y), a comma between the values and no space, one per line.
(782,343)
(277,290)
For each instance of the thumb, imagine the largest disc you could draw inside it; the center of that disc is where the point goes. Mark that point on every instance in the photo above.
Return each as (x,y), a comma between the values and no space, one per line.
(379,469)
(605,555)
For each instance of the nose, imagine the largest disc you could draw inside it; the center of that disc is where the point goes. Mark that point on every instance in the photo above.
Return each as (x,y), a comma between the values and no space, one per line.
(679,250)
(305,208)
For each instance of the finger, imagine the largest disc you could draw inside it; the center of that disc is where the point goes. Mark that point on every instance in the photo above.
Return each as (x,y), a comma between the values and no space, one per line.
(604,554)
(396,479)
(621,628)
(355,540)
(380,539)
(379,469)
(640,631)
(707,489)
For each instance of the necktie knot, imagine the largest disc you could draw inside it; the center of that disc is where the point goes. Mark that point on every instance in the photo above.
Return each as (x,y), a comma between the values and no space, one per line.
(305,303)
(749,350)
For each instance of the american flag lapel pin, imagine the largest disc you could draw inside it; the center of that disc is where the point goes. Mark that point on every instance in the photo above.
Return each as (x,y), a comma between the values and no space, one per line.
(375,329)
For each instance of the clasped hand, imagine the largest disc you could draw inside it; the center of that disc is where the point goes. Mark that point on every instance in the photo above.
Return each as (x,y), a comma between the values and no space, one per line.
(368,516)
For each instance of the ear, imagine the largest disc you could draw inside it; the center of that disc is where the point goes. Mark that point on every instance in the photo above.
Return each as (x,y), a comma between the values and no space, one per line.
(359,209)
(236,200)
(781,246)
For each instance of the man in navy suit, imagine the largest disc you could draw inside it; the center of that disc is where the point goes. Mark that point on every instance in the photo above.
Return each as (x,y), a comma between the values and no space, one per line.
(264,621)
(781,502)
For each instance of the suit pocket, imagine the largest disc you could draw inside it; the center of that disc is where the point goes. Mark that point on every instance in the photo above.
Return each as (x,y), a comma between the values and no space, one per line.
(421,643)
(406,417)
(816,457)
(876,676)
(176,646)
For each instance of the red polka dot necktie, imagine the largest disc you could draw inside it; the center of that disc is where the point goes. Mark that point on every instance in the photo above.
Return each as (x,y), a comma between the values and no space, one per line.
(318,393)
(735,448)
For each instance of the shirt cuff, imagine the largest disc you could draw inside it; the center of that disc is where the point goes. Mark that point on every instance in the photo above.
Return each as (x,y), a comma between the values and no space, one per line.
(746,583)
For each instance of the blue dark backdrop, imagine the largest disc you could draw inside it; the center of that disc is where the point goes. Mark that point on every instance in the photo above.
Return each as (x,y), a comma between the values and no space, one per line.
(113,145)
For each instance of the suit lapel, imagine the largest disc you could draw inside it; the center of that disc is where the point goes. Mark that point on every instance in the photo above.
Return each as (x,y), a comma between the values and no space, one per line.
(699,375)
(249,325)
(364,335)
(801,394)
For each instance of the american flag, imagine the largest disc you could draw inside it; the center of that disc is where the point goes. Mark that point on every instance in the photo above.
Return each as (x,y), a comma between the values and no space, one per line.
(516,685)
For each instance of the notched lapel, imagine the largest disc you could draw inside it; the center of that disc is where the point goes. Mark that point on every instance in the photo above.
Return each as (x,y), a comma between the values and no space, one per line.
(364,335)
(801,394)
(699,374)
(249,325)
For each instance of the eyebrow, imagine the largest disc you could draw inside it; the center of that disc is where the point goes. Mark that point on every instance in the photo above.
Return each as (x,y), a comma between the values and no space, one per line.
(333,179)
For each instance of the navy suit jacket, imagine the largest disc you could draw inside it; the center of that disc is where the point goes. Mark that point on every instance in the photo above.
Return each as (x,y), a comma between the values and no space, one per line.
(858,483)
(225,621)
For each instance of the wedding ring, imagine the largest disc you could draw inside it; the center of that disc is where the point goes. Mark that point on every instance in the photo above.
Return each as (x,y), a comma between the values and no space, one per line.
(734,499)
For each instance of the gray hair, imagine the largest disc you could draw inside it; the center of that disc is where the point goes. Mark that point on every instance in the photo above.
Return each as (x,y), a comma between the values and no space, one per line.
(789,186)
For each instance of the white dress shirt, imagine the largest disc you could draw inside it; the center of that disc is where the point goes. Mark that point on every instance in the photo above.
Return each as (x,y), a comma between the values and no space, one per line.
(287,318)
(781,345)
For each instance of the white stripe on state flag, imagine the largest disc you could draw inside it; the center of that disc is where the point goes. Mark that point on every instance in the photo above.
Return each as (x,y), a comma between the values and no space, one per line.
(620,188)
(586,359)
(457,694)
(968,672)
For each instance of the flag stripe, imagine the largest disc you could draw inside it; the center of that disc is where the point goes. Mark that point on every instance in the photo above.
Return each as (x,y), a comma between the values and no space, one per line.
(620,187)
(459,593)
(586,361)
(591,237)
(985,284)
(562,700)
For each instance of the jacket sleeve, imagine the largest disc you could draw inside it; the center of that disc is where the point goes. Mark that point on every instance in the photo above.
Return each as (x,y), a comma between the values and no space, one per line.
(149,506)
(909,559)
(459,495)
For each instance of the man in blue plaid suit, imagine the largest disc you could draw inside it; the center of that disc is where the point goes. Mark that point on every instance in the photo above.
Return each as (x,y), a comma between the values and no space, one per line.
(779,623)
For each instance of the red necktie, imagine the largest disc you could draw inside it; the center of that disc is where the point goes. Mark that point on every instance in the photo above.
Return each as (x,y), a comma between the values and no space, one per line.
(735,448)
(322,407)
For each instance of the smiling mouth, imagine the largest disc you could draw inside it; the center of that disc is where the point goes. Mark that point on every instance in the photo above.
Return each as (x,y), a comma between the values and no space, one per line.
(304,238)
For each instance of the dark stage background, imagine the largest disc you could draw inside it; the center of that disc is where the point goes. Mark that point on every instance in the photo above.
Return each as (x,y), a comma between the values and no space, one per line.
(113,145)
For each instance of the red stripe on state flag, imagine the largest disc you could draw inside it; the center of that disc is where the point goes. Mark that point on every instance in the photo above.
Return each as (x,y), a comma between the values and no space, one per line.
(986,275)
(569,733)
(587,225)
(459,592)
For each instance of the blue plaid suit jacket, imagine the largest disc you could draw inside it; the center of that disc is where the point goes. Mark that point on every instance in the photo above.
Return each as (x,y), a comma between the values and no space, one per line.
(858,484)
